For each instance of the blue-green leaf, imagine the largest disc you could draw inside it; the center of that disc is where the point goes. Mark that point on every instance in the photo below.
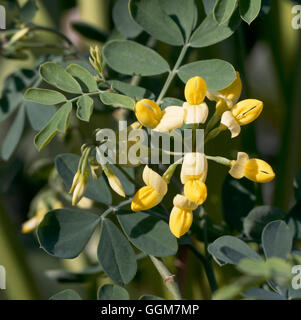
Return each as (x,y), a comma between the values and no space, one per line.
(67,164)
(223,10)
(210,32)
(150,16)
(58,123)
(56,76)
(249,10)
(64,233)
(66,295)
(123,21)
(112,292)
(85,106)
(148,233)
(115,254)
(231,250)
(14,135)
(38,115)
(258,218)
(131,58)
(218,74)
(83,77)
(277,240)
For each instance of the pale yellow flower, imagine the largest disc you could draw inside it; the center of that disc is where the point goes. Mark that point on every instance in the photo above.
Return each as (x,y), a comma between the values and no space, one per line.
(241,114)
(254,169)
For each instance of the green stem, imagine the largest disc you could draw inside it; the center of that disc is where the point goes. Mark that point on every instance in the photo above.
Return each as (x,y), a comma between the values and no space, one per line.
(220,160)
(208,268)
(167,277)
(172,73)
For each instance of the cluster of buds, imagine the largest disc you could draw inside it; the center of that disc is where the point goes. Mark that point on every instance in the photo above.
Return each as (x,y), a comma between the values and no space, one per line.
(81,178)
(96,60)
(231,114)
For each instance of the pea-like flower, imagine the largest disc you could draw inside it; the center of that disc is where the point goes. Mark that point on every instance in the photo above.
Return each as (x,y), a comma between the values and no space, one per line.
(193,176)
(230,95)
(241,114)
(152,194)
(254,169)
(181,216)
(151,116)
(196,111)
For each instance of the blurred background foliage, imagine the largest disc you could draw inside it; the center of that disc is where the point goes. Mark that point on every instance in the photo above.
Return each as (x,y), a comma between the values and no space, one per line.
(267,54)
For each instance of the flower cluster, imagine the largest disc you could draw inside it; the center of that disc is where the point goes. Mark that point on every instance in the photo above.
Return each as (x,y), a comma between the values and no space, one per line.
(231,115)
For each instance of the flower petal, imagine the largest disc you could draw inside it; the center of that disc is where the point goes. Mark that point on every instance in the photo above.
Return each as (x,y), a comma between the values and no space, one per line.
(238,167)
(195,113)
(173,118)
(230,122)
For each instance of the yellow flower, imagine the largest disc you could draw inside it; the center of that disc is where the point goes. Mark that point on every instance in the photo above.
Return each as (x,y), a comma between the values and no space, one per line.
(254,169)
(230,94)
(195,190)
(193,176)
(181,216)
(195,166)
(196,111)
(148,113)
(195,91)
(151,116)
(152,194)
(242,113)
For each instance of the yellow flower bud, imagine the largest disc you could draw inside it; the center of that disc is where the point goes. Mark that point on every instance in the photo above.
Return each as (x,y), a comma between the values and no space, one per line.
(181,216)
(254,169)
(80,187)
(195,90)
(196,191)
(31,224)
(148,113)
(233,91)
(247,111)
(114,181)
(152,194)
(259,171)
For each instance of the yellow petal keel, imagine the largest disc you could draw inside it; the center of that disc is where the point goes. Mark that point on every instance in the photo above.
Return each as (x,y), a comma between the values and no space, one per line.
(195,90)
(148,113)
(259,171)
(196,191)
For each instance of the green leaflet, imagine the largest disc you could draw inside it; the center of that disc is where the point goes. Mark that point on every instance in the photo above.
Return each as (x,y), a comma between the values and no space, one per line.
(131,58)
(58,123)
